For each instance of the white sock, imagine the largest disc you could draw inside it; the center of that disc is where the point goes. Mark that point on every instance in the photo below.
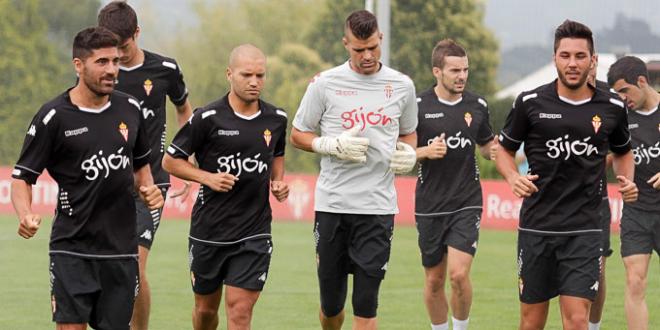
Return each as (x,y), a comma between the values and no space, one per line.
(460,325)
(444,326)
(594,326)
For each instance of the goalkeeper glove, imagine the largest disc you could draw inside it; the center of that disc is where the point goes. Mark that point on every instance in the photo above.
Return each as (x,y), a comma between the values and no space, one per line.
(346,146)
(403,159)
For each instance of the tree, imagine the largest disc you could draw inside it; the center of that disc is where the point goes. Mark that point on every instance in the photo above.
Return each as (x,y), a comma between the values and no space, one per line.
(31,71)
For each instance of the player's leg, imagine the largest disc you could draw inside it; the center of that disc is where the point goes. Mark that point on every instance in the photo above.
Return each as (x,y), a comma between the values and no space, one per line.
(70,326)
(637,266)
(147,225)
(73,287)
(205,312)
(207,268)
(119,285)
(247,272)
(536,278)
(433,251)
(370,244)
(596,312)
(462,238)
(332,267)
(574,312)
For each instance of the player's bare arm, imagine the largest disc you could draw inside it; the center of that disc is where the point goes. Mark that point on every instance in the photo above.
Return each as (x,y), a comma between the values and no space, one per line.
(435,150)
(655,181)
(624,168)
(183,113)
(149,192)
(278,187)
(489,150)
(21,198)
(521,185)
(404,156)
(183,169)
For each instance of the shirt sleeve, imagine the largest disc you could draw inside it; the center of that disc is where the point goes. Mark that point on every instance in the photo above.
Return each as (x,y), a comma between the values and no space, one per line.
(515,127)
(177,90)
(141,149)
(191,136)
(408,121)
(281,142)
(485,133)
(620,136)
(312,106)
(37,147)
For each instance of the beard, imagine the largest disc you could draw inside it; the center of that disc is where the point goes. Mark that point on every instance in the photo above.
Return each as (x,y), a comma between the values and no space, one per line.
(99,87)
(570,85)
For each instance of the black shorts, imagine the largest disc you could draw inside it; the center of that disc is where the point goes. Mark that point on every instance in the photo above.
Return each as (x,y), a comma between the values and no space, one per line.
(243,265)
(557,265)
(100,292)
(459,230)
(640,232)
(345,241)
(147,220)
(605,223)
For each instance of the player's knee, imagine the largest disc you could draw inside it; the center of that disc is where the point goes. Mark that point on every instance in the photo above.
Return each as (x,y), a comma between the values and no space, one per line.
(435,285)
(636,284)
(576,321)
(365,304)
(205,314)
(459,278)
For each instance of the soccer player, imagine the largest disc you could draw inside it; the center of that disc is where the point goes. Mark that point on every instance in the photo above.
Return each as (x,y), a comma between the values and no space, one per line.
(238,142)
(92,142)
(149,77)
(448,203)
(567,127)
(361,108)
(640,221)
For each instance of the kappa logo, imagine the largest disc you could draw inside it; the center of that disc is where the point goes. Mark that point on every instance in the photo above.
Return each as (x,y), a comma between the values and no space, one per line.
(123,129)
(468,118)
(267,137)
(434,115)
(340,92)
(77,131)
(234,132)
(543,115)
(148,86)
(594,287)
(33,131)
(384,267)
(596,122)
(633,126)
(262,278)
(146,235)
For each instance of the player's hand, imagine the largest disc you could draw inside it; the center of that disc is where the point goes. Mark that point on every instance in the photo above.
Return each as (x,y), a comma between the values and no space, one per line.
(347,146)
(628,189)
(437,148)
(28,225)
(523,185)
(152,197)
(280,190)
(403,158)
(655,181)
(220,182)
(494,147)
(183,192)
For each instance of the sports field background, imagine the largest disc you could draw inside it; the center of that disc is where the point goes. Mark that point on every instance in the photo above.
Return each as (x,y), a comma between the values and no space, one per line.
(290,298)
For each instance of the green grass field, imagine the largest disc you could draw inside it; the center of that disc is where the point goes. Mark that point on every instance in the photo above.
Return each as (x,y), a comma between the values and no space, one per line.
(290,298)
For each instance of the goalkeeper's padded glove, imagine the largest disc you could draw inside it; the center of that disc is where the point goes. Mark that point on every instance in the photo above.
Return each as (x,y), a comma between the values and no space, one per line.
(346,146)
(403,159)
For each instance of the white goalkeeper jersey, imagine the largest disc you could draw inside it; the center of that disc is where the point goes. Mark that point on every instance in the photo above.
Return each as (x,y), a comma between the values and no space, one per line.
(383,105)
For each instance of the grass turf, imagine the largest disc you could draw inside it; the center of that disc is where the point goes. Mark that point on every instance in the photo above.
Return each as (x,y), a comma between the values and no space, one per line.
(290,298)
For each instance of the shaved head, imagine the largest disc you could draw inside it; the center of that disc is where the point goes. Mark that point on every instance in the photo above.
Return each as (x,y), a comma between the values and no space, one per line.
(243,52)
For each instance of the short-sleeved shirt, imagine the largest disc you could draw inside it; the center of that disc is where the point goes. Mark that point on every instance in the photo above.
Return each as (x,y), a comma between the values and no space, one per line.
(150,82)
(91,154)
(451,184)
(225,141)
(566,144)
(383,106)
(645,131)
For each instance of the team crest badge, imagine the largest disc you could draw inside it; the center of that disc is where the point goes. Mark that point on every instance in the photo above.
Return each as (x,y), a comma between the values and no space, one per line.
(468,118)
(389,90)
(596,122)
(53,305)
(123,129)
(267,137)
(148,86)
(521,285)
(192,278)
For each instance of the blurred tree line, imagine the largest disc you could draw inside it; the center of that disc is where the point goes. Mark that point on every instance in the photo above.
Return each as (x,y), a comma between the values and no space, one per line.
(301,38)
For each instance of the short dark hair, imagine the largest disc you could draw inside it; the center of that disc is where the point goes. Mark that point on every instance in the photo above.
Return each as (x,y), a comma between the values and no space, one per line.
(119,18)
(362,24)
(574,30)
(444,48)
(92,38)
(628,68)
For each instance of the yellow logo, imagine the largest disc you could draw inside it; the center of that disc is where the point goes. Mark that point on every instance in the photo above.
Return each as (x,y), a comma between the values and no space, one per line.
(596,122)
(148,86)
(468,118)
(123,129)
(267,137)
